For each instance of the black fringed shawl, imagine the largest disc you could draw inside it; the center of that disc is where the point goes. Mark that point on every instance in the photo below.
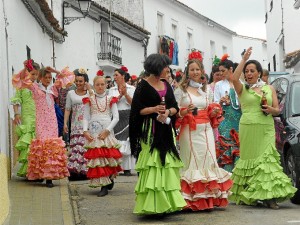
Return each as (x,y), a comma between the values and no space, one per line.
(163,136)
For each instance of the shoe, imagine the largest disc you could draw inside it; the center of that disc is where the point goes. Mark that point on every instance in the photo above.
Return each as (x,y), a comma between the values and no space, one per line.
(49,184)
(111,185)
(127,173)
(272,204)
(103,192)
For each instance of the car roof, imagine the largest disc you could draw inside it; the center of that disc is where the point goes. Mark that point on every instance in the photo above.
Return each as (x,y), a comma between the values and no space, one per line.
(295,77)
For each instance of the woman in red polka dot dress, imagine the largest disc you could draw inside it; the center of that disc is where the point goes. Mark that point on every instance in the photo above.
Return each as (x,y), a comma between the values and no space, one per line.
(47,157)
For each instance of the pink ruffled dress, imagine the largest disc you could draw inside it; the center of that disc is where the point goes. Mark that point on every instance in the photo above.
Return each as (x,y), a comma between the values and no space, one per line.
(47,158)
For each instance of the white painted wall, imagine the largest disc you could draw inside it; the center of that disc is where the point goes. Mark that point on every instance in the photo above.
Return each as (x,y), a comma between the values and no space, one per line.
(259,51)
(283,17)
(202,33)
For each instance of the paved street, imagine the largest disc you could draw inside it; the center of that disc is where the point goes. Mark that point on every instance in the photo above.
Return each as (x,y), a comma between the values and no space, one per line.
(116,209)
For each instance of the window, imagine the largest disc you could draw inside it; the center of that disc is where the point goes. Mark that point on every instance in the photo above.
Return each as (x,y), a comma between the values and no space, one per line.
(189,41)
(274,63)
(160,24)
(271,5)
(224,49)
(174,31)
(212,49)
(28,50)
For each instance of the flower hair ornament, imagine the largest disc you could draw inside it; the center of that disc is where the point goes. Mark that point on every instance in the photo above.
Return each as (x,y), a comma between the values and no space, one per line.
(224,57)
(82,71)
(133,77)
(124,68)
(100,73)
(216,61)
(66,77)
(28,64)
(178,74)
(195,54)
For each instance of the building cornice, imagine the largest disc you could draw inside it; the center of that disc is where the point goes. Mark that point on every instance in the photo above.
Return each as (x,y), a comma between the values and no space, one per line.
(41,11)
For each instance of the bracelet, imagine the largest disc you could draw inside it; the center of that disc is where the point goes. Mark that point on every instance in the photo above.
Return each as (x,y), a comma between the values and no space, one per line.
(170,112)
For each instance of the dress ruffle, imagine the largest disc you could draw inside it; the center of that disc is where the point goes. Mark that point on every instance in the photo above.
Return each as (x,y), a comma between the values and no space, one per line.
(47,159)
(103,163)
(158,187)
(206,188)
(261,178)
(77,162)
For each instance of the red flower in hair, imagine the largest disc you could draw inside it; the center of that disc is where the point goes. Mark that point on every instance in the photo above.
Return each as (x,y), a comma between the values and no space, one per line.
(224,57)
(195,55)
(133,77)
(113,100)
(86,100)
(178,74)
(124,68)
(100,73)
(28,65)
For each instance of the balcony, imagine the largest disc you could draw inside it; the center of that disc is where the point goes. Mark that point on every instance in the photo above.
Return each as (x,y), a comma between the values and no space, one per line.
(110,54)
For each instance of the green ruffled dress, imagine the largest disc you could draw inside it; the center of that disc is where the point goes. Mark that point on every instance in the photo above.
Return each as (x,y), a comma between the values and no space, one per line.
(25,131)
(158,187)
(258,174)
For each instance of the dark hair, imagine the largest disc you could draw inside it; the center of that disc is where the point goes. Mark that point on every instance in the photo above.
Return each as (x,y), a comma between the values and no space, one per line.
(214,69)
(172,74)
(120,71)
(35,65)
(84,75)
(43,71)
(257,65)
(227,64)
(107,76)
(155,63)
(265,72)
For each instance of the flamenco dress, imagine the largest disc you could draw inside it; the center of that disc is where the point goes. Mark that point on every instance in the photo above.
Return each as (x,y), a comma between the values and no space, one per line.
(258,175)
(103,156)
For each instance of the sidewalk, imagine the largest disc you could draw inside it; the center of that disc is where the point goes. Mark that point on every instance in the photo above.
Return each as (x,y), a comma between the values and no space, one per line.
(32,203)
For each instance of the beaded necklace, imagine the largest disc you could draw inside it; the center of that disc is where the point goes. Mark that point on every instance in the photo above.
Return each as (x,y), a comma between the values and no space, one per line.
(232,104)
(98,105)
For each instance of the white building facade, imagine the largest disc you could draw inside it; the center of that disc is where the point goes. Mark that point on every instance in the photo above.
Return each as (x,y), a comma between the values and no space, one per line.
(282,22)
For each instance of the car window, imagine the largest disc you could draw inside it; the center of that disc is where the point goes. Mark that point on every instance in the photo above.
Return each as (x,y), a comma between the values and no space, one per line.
(295,93)
(280,85)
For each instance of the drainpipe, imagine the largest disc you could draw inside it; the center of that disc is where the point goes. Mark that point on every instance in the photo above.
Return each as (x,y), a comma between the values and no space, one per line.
(53,43)
(145,43)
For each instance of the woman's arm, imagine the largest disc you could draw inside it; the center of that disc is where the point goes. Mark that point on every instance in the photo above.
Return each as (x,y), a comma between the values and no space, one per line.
(238,86)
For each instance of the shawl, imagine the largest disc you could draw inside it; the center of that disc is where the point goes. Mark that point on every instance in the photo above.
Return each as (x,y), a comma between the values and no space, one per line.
(162,135)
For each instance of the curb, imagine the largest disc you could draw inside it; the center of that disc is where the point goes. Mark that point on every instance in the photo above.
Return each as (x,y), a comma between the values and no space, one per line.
(67,209)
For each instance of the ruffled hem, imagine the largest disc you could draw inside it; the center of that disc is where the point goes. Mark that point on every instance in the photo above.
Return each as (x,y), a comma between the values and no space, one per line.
(103,152)
(99,172)
(208,203)
(23,170)
(158,187)
(78,168)
(261,179)
(99,182)
(47,159)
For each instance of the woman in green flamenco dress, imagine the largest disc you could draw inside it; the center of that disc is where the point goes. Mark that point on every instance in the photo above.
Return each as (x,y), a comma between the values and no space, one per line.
(257,176)
(152,140)
(24,118)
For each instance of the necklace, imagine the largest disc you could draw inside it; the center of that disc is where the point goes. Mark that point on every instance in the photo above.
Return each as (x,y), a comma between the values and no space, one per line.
(237,107)
(98,105)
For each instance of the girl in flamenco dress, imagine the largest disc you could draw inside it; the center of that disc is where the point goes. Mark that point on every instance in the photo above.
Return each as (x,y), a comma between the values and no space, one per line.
(24,117)
(103,155)
(47,157)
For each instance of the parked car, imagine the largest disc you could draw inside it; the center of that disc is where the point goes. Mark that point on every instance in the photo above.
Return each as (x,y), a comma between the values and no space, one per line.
(287,126)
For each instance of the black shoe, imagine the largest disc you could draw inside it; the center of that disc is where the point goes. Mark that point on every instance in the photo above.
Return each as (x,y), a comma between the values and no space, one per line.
(49,184)
(111,185)
(103,192)
(127,173)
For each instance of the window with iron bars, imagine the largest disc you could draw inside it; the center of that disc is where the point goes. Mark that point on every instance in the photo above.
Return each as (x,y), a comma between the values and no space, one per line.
(110,48)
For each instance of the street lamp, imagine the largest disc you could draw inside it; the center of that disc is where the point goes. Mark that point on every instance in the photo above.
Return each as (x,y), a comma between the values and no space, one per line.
(84,6)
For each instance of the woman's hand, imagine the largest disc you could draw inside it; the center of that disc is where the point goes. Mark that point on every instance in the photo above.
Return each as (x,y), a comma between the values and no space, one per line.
(123,90)
(190,108)
(247,54)
(162,117)
(104,134)
(66,129)
(88,136)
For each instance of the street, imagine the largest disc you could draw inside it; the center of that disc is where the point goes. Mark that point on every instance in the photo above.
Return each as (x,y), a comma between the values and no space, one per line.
(116,209)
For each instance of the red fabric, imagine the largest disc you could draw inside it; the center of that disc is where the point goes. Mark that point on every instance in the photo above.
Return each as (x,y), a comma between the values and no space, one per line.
(235,136)
(216,119)
(200,187)
(86,100)
(171,50)
(98,172)
(112,101)
(207,203)
(94,153)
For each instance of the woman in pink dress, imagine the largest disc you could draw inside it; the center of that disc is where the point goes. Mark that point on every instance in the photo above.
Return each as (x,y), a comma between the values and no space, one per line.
(47,157)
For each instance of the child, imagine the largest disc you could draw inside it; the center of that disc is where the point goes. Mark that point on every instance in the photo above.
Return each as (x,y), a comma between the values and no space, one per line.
(103,153)
(24,117)
(47,158)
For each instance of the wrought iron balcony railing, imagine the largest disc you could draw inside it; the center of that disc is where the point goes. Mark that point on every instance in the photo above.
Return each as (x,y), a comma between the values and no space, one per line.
(110,48)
